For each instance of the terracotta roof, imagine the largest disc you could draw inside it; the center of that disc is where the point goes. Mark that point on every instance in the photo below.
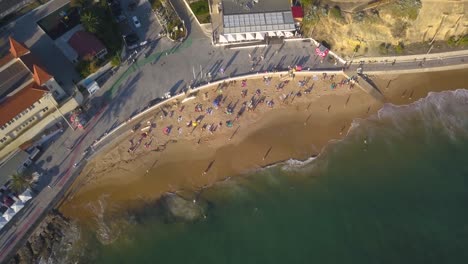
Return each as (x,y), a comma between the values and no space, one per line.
(6,59)
(17,103)
(85,44)
(40,76)
(17,49)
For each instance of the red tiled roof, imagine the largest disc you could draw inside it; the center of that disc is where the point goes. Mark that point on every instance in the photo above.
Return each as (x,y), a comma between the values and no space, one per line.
(6,59)
(17,49)
(17,103)
(297,12)
(85,44)
(40,76)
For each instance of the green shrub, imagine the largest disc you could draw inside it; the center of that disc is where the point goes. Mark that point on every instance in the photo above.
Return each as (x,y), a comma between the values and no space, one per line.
(335,13)
(201,11)
(399,48)
(115,61)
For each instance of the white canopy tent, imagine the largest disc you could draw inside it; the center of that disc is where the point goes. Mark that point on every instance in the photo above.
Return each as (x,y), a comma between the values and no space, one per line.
(280,34)
(222,39)
(259,36)
(271,34)
(288,34)
(17,206)
(249,36)
(8,215)
(25,196)
(3,221)
(240,37)
(230,38)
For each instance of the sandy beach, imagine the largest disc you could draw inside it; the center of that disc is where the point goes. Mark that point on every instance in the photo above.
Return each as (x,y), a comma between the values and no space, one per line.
(297,126)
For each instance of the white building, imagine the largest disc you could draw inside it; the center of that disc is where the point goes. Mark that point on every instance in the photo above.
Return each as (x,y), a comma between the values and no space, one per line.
(250,20)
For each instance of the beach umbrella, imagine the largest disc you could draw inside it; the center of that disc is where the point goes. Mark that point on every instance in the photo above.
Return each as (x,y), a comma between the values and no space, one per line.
(8,215)
(17,206)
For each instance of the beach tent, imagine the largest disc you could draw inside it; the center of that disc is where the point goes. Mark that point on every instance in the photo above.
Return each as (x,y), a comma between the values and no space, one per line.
(259,36)
(25,196)
(240,37)
(223,39)
(8,215)
(230,38)
(288,34)
(17,206)
(249,36)
(3,221)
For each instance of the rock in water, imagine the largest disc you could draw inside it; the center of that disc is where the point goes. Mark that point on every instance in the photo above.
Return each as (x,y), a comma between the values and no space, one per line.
(182,209)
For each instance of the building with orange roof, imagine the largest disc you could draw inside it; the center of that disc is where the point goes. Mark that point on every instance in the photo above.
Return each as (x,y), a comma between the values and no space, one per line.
(28,92)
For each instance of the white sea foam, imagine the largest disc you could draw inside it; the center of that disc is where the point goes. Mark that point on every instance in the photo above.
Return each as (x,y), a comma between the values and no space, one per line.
(293,164)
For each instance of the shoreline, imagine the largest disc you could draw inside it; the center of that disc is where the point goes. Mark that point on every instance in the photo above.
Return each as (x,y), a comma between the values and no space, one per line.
(126,191)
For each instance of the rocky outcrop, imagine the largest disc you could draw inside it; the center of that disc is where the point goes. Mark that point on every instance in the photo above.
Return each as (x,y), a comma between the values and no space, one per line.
(47,241)
(177,208)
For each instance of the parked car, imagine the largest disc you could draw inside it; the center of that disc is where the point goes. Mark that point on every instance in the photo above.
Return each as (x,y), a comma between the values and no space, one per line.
(136,22)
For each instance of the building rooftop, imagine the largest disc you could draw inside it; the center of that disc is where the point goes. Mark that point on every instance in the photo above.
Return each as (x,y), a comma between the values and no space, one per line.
(13,77)
(246,16)
(274,21)
(17,49)
(16,103)
(233,7)
(85,44)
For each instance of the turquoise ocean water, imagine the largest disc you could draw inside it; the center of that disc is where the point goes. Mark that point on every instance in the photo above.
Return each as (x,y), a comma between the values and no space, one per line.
(395,190)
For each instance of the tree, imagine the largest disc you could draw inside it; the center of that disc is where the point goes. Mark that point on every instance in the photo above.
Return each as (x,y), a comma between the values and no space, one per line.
(90,22)
(19,182)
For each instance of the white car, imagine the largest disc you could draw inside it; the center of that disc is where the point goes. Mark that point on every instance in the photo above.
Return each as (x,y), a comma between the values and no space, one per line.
(136,22)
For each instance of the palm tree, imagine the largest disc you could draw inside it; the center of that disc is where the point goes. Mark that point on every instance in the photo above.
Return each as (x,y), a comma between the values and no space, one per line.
(19,183)
(90,22)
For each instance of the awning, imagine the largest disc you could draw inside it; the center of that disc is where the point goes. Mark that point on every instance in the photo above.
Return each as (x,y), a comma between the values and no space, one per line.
(230,38)
(259,36)
(271,34)
(222,39)
(249,36)
(240,37)
(279,34)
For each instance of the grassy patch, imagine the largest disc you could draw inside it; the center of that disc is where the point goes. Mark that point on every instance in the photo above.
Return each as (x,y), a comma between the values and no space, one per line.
(458,41)
(201,11)
(406,9)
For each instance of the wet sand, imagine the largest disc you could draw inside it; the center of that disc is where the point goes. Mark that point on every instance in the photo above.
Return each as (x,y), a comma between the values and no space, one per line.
(298,130)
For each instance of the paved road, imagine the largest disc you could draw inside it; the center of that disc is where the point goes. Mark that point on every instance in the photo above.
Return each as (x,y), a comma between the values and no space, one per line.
(169,66)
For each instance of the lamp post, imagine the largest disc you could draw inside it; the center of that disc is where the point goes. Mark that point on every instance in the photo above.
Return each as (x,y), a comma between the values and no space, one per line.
(58,110)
